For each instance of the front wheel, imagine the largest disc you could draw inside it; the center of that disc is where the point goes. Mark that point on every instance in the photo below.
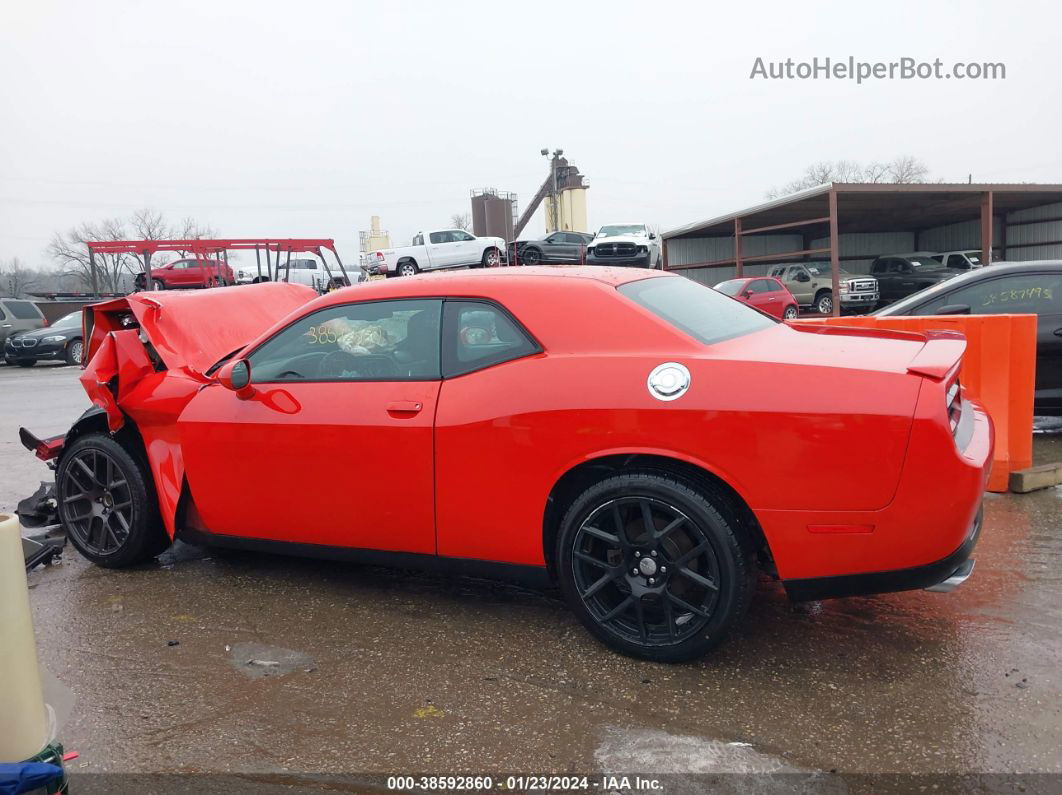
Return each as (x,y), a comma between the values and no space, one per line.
(74,351)
(26,362)
(824,304)
(491,258)
(790,312)
(106,505)
(158,284)
(531,256)
(653,566)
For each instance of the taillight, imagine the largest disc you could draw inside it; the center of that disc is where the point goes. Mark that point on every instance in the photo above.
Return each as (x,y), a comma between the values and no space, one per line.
(953,401)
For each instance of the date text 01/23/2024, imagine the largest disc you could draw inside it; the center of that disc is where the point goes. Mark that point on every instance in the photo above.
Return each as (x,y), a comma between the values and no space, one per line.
(522,783)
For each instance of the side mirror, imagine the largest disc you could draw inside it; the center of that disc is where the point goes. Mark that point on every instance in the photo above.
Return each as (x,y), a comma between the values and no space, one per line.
(747,293)
(236,376)
(652,235)
(953,309)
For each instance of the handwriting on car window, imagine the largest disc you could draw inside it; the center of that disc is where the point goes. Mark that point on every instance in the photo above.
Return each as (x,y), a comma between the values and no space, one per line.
(1017,295)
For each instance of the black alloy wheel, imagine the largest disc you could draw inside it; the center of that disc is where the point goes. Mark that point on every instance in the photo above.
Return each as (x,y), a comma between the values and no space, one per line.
(531,256)
(105,505)
(654,566)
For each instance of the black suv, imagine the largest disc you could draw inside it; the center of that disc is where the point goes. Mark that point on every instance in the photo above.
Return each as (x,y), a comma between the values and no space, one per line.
(900,275)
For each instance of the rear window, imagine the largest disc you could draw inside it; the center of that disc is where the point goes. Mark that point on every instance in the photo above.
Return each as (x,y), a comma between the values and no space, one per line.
(706,315)
(23,310)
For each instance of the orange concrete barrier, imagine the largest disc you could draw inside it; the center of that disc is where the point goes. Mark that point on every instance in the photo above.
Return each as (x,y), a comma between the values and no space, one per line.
(998,370)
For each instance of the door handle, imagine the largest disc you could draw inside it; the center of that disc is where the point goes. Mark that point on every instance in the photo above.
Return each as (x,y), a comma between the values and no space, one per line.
(404,407)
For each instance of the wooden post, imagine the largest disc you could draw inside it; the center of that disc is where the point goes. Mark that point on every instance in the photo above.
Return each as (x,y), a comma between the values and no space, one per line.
(835,255)
(737,248)
(986,227)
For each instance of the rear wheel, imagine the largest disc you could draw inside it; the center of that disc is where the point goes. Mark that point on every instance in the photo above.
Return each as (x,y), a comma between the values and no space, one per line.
(74,352)
(491,258)
(158,284)
(791,312)
(653,566)
(408,268)
(105,504)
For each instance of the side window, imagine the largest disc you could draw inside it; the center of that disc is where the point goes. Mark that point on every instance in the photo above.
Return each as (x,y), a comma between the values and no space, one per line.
(769,285)
(3,316)
(879,266)
(477,334)
(1034,293)
(461,236)
(418,240)
(23,310)
(777,271)
(759,286)
(957,261)
(439,237)
(367,341)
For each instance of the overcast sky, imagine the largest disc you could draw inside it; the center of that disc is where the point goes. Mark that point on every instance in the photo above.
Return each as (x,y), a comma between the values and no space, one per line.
(305,118)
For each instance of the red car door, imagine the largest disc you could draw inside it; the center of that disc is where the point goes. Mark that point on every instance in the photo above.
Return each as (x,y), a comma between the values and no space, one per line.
(183,273)
(335,445)
(757,293)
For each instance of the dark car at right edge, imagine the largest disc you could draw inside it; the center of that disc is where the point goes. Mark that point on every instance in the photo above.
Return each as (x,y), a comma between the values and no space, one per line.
(1006,288)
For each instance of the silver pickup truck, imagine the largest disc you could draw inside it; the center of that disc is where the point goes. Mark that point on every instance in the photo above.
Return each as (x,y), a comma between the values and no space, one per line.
(812,286)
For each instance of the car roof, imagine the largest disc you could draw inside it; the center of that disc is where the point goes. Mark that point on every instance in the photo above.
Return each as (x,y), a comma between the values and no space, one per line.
(495,280)
(992,271)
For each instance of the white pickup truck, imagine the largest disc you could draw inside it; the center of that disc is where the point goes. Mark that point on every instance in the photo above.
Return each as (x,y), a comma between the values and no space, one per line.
(442,248)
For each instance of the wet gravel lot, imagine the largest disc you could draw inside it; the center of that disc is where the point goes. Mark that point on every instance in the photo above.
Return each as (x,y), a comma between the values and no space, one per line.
(255,663)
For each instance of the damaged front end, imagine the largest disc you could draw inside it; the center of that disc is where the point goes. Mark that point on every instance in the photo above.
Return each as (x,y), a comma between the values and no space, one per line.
(146,356)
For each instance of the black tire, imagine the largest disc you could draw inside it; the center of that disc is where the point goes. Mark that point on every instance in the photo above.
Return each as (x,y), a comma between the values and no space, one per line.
(491,258)
(824,303)
(25,362)
(530,256)
(702,524)
(407,268)
(107,504)
(75,349)
(791,312)
(158,284)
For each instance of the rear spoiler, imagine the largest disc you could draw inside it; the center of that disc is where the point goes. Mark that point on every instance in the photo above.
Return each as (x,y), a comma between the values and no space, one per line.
(940,354)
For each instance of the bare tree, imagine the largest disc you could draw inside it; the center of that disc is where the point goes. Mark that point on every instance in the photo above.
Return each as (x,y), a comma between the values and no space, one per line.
(15,278)
(461,221)
(906,169)
(115,271)
(191,229)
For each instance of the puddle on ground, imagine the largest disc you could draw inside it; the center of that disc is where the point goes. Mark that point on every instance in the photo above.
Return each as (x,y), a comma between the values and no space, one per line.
(259,660)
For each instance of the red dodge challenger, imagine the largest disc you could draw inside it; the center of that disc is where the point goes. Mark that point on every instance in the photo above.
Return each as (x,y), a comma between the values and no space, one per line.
(645,441)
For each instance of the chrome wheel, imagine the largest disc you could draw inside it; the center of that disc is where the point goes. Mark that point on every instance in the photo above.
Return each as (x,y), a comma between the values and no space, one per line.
(74,352)
(492,258)
(95,502)
(790,313)
(825,304)
(407,269)
(645,571)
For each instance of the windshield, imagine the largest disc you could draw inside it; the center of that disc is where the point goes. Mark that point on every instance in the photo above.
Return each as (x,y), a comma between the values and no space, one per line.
(621,229)
(73,320)
(731,287)
(697,310)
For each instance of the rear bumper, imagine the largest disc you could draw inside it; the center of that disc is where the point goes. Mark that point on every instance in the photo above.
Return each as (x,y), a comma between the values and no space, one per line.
(945,574)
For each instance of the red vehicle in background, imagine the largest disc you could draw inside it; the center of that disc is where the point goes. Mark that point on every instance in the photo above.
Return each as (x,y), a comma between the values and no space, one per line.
(641,439)
(764,293)
(187,272)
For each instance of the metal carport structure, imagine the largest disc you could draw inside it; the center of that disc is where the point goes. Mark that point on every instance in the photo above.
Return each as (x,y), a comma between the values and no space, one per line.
(855,222)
